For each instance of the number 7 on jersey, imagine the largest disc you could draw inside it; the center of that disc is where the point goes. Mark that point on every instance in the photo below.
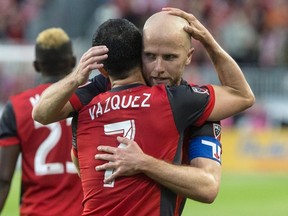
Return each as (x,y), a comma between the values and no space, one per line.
(127,128)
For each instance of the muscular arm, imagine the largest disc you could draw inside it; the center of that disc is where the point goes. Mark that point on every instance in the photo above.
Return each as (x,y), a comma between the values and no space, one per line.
(8,159)
(200,181)
(54,103)
(235,91)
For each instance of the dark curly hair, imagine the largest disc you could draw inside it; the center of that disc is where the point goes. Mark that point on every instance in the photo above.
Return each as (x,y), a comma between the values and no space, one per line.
(124,41)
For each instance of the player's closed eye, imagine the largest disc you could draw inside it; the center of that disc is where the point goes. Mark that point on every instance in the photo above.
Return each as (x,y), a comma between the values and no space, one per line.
(169,57)
(149,56)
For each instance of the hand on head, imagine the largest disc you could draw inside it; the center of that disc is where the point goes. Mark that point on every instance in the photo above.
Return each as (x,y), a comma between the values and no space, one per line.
(91,60)
(194,27)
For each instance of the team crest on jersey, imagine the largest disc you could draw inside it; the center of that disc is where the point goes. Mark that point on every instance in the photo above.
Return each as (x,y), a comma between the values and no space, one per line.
(200,90)
(217,130)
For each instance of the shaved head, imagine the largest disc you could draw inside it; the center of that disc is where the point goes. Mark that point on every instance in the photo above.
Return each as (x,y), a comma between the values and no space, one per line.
(167,49)
(164,25)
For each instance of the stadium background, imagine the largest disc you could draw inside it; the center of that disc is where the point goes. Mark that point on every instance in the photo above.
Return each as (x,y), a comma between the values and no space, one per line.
(254,32)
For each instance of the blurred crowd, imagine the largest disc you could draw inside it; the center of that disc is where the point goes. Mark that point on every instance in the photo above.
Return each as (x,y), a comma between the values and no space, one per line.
(252,31)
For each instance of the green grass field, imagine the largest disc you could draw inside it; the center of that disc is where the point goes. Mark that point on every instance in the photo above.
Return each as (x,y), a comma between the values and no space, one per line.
(240,195)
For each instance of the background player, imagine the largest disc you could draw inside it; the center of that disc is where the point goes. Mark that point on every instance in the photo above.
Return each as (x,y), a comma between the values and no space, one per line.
(49,184)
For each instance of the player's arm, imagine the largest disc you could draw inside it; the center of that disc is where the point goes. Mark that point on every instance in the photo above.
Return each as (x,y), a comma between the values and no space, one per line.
(204,152)
(190,181)
(235,91)
(8,160)
(9,151)
(54,103)
(200,181)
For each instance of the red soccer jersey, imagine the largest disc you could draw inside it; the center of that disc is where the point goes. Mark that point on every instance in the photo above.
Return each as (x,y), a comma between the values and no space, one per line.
(156,120)
(50,185)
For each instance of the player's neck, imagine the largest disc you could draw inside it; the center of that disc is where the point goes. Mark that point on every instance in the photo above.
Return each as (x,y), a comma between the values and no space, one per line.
(136,77)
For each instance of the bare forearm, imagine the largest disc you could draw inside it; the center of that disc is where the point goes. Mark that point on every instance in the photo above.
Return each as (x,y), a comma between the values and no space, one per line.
(53,105)
(228,71)
(191,182)
(235,91)
(200,181)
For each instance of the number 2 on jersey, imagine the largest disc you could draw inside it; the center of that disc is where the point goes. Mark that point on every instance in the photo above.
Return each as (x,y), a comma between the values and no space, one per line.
(40,165)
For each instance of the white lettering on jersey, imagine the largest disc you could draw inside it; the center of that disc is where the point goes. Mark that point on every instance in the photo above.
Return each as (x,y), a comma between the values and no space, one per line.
(145,100)
(34,100)
(117,102)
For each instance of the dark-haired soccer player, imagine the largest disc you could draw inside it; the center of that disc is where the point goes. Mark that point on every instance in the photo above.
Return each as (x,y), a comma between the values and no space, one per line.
(49,183)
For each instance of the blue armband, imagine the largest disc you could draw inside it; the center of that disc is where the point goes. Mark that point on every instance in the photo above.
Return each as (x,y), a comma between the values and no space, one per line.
(206,147)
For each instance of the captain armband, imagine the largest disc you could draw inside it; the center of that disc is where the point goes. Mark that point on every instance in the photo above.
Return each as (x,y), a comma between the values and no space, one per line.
(206,147)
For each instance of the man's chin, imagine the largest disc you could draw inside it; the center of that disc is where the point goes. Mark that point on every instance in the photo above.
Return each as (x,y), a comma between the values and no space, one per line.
(160,81)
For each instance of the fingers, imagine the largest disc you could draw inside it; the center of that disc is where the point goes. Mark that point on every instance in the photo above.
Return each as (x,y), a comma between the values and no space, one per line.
(178,12)
(109,166)
(107,157)
(94,55)
(96,51)
(111,177)
(108,149)
(123,140)
(106,166)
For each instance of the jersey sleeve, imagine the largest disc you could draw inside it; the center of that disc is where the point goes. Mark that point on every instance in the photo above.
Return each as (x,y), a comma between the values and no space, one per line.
(8,130)
(84,94)
(205,142)
(191,105)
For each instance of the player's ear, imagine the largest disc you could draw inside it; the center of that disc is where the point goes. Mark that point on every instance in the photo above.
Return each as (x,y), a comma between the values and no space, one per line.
(189,56)
(103,72)
(36,66)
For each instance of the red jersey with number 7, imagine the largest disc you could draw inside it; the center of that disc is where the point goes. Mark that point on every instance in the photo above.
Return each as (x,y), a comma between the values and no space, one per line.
(156,118)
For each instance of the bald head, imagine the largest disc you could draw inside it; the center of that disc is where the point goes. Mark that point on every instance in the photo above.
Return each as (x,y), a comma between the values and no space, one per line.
(163,25)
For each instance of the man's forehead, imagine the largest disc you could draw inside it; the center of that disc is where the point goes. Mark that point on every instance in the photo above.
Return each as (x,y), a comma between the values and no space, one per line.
(162,47)
(164,19)
(166,27)
(168,39)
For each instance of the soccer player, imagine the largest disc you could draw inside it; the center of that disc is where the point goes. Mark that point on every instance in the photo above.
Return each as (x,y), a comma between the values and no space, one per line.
(49,184)
(130,109)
